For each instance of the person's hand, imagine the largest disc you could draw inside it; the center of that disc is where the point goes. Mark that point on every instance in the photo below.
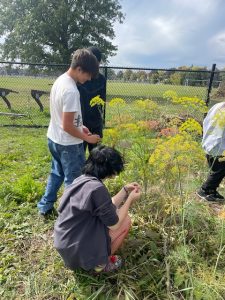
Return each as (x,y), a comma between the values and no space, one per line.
(135,194)
(93,139)
(131,186)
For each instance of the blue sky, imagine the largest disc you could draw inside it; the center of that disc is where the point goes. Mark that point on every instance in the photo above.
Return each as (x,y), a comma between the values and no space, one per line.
(170,33)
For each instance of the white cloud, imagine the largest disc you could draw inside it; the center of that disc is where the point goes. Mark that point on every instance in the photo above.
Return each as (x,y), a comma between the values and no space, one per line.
(200,7)
(175,31)
(217,43)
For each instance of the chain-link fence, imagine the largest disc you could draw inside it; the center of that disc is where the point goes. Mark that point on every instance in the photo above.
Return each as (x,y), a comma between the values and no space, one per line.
(25,89)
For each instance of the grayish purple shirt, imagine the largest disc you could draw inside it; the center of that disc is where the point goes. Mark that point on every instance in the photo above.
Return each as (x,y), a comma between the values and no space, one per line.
(81,234)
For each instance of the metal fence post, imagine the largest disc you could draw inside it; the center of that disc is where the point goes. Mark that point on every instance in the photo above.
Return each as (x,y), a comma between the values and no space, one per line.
(106,78)
(210,84)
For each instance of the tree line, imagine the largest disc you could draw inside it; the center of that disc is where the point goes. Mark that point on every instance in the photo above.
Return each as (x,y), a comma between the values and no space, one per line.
(175,76)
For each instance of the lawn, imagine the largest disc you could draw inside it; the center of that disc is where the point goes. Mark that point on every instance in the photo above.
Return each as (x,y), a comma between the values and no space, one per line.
(23,103)
(175,248)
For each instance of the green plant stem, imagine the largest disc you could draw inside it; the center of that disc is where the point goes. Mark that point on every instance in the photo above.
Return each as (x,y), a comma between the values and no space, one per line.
(183,220)
(221,248)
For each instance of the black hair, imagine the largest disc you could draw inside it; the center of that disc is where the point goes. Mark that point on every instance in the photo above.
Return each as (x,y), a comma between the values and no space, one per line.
(86,60)
(97,52)
(103,162)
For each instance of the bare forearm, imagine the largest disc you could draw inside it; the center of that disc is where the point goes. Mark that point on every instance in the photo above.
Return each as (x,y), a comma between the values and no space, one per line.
(122,214)
(75,132)
(119,197)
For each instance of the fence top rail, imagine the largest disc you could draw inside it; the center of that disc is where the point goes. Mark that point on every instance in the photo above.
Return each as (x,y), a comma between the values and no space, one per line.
(165,70)
(113,67)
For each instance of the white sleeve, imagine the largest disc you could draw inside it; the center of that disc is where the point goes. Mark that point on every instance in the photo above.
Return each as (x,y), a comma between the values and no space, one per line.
(71,99)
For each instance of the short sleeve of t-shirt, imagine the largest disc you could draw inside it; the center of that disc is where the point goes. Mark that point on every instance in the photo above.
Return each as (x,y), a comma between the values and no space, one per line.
(103,207)
(71,100)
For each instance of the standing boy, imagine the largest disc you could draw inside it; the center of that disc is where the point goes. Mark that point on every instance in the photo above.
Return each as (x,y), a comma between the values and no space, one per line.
(92,116)
(213,143)
(66,132)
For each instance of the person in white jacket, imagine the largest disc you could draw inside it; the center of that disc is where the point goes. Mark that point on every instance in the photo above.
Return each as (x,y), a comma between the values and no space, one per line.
(213,143)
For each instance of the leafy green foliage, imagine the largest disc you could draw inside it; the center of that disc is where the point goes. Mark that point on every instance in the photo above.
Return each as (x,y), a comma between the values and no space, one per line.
(49,31)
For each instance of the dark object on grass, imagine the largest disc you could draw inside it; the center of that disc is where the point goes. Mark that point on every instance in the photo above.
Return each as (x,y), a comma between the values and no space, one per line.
(3,93)
(36,94)
(212,196)
(52,213)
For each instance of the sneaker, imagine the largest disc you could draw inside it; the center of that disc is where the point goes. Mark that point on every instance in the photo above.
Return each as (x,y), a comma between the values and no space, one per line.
(210,195)
(49,213)
(115,262)
(218,196)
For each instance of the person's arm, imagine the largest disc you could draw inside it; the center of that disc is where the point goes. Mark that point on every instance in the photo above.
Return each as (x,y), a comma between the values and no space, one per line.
(68,126)
(124,193)
(86,130)
(123,211)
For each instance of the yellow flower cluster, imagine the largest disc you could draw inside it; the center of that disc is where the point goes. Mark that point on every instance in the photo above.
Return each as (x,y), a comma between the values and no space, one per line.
(146,105)
(129,128)
(175,155)
(142,124)
(174,122)
(187,102)
(191,126)
(192,102)
(111,136)
(115,102)
(97,100)
(170,95)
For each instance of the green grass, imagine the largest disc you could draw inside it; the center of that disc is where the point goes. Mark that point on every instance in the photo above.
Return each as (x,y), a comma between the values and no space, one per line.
(174,250)
(30,267)
(26,83)
(145,90)
(23,103)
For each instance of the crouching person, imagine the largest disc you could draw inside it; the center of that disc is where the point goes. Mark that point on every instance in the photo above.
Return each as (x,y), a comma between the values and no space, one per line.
(91,225)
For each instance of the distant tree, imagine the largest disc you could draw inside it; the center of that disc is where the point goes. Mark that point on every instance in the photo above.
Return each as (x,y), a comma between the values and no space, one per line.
(119,75)
(133,76)
(176,78)
(141,75)
(48,31)
(184,68)
(127,74)
(111,75)
(220,92)
(154,77)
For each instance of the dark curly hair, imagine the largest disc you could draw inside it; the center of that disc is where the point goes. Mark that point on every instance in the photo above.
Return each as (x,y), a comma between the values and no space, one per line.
(97,52)
(103,162)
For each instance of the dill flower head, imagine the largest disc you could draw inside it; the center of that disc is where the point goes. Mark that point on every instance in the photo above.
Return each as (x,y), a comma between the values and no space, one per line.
(170,95)
(175,155)
(97,100)
(188,102)
(117,102)
(147,104)
(191,126)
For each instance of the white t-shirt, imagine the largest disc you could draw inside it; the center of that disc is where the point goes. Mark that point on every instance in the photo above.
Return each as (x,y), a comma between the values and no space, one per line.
(64,97)
(213,141)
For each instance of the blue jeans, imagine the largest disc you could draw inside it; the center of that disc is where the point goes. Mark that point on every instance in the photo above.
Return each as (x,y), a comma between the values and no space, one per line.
(67,163)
